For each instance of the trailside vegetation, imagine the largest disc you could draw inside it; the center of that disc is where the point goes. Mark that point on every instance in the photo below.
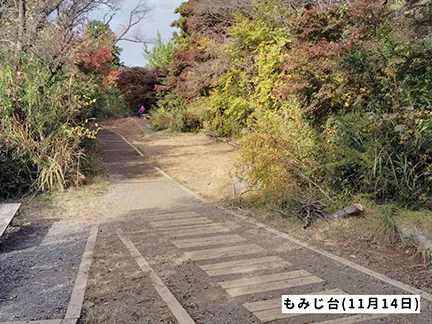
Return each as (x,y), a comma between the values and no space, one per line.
(330,101)
(57,68)
(136,85)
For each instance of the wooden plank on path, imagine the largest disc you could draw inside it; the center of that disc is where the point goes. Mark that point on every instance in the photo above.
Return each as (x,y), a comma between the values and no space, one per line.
(178,222)
(7,212)
(264,279)
(77,298)
(276,285)
(248,268)
(197,231)
(230,264)
(208,240)
(167,296)
(273,314)
(224,252)
(151,218)
(191,227)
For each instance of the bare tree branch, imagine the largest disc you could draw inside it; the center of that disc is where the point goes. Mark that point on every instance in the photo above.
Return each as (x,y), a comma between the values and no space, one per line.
(107,21)
(24,22)
(135,17)
(132,40)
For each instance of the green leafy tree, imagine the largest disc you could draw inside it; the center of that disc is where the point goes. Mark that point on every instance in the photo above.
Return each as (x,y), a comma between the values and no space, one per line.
(160,54)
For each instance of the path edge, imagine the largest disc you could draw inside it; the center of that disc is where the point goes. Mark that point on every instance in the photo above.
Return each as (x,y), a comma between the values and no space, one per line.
(75,306)
(288,237)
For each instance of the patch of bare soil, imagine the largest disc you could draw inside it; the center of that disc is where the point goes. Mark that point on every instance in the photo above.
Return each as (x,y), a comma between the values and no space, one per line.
(75,205)
(118,291)
(196,161)
(398,263)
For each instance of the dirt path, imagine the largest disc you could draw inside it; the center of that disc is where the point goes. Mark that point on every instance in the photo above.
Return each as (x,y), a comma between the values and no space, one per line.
(217,267)
(170,258)
(196,161)
(207,168)
(164,256)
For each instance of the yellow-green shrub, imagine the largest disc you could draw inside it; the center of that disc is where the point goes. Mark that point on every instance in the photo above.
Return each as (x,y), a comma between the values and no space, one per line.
(255,58)
(278,155)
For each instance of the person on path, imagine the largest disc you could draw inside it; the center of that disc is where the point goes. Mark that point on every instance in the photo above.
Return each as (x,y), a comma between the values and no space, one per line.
(141,111)
(92,119)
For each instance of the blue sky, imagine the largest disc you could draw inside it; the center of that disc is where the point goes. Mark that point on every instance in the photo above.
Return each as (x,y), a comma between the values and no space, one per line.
(159,19)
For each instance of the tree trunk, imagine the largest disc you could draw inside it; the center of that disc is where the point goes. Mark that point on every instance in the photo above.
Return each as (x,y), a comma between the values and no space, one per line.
(21,25)
(21,8)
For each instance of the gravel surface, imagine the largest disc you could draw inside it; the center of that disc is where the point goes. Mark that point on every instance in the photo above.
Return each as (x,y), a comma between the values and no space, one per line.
(38,266)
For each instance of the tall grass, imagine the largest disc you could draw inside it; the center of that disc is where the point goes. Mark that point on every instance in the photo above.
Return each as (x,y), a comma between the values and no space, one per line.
(40,117)
(387,230)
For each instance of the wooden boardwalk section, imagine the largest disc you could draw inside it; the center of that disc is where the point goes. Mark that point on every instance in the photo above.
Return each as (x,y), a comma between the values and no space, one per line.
(7,212)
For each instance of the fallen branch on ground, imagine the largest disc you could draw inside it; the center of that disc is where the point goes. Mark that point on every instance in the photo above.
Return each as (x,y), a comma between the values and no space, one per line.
(353,209)
(311,213)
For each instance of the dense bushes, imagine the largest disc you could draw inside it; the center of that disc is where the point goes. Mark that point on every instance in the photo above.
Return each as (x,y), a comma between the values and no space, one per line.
(16,172)
(278,156)
(173,114)
(327,101)
(44,106)
(41,132)
(245,91)
(367,93)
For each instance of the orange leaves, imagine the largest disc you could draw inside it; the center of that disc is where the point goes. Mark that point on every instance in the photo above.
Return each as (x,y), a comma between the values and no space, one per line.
(95,57)
(96,61)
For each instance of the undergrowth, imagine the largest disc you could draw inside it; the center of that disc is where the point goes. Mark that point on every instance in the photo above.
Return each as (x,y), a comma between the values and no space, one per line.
(42,134)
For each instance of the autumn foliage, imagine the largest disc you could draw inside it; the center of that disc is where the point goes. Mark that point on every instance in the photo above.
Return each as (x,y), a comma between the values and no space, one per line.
(95,56)
(137,85)
(335,97)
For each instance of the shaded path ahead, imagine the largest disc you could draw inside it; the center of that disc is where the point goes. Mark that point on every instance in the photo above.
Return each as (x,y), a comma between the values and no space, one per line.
(172,258)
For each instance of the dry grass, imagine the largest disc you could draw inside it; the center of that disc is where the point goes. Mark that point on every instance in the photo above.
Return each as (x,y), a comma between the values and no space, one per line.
(418,221)
(73,205)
